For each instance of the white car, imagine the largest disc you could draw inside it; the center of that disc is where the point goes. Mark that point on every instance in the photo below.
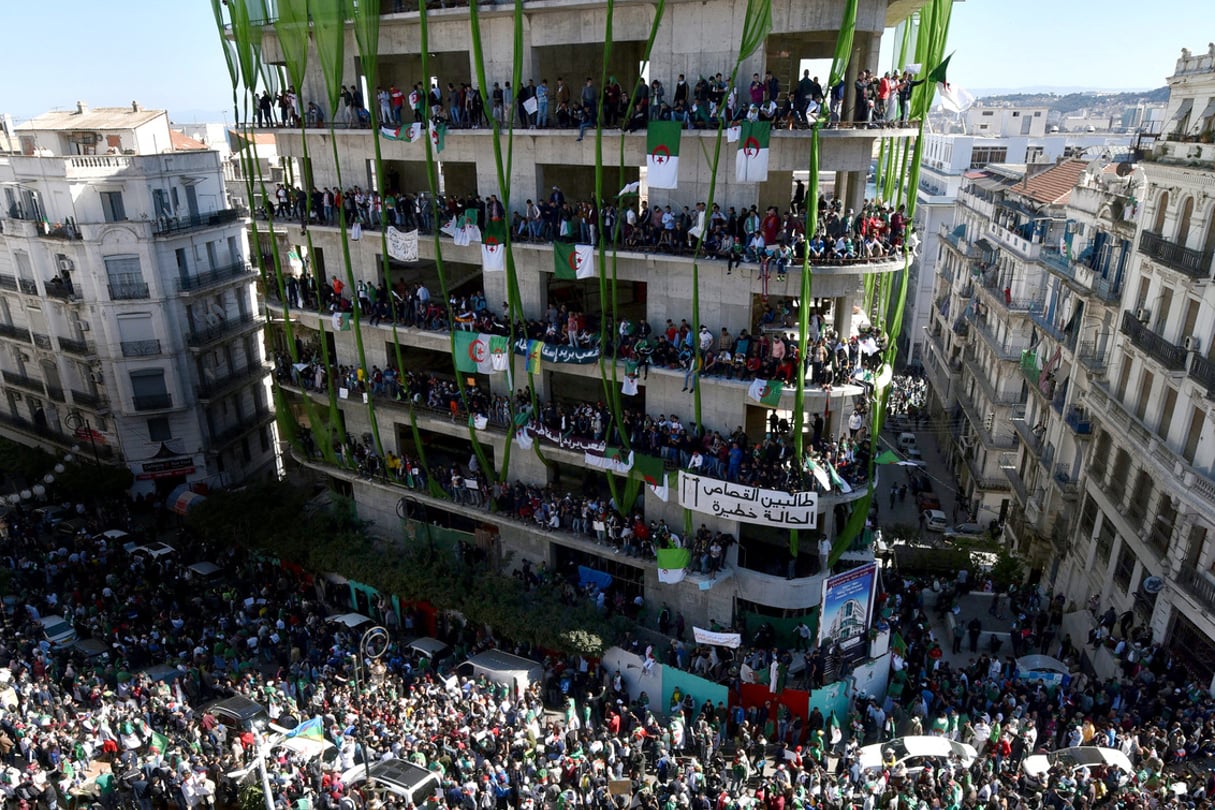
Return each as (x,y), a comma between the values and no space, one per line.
(934,520)
(913,753)
(153,551)
(1073,759)
(57,631)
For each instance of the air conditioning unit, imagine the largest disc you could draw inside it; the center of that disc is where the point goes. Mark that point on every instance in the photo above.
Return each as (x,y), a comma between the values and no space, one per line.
(1192,344)
(66,265)
(1142,315)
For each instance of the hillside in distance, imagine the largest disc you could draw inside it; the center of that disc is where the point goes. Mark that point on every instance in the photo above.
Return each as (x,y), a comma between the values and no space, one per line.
(1066,103)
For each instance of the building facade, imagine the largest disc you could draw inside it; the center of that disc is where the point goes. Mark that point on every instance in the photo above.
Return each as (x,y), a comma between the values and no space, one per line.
(129,321)
(566,42)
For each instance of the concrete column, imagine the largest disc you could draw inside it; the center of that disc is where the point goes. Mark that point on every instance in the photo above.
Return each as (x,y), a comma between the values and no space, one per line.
(840,187)
(847,111)
(856,191)
(843,315)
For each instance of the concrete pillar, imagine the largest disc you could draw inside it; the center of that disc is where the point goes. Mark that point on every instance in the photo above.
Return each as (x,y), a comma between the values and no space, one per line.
(840,187)
(847,111)
(777,190)
(856,191)
(843,315)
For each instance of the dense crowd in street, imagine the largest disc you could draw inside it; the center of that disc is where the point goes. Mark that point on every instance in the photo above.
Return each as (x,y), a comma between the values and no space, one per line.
(101,730)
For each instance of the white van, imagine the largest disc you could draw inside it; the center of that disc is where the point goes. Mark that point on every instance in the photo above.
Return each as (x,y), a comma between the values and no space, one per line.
(403,779)
(906,442)
(501,667)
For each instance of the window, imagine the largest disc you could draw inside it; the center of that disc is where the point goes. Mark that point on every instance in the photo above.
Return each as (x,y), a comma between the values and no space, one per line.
(148,389)
(1166,412)
(1194,435)
(112,209)
(1124,377)
(159,430)
(1016,114)
(1105,540)
(1163,525)
(264,436)
(1145,393)
(1125,567)
(125,278)
(1122,470)
(981,156)
(1136,510)
(1088,517)
(1100,455)
(244,449)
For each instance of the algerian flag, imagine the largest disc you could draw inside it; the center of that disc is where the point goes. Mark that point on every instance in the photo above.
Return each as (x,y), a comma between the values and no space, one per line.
(751,166)
(493,246)
(954,98)
(573,261)
(523,439)
(438,134)
(340,321)
(465,230)
(612,458)
(480,351)
(478,421)
(468,351)
(661,491)
(630,188)
(452,227)
(886,457)
(498,356)
(649,468)
(837,479)
(662,153)
(673,564)
(766,391)
(158,744)
(732,133)
(410,134)
(628,385)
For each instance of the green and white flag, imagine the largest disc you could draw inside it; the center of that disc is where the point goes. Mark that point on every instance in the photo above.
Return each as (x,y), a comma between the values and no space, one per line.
(751,166)
(438,136)
(573,261)
(766,391)
(662,154)
(411,133)
(612,458)
(493,246)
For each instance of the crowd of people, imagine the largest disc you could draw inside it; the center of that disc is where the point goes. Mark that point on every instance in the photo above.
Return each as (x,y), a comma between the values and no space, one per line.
(100,731)
(705,103)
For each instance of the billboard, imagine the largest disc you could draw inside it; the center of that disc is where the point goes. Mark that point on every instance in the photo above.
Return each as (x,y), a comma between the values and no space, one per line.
(848,607)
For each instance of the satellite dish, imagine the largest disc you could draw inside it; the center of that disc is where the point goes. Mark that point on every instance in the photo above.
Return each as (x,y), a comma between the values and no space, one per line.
(1153,585)
(1124,168)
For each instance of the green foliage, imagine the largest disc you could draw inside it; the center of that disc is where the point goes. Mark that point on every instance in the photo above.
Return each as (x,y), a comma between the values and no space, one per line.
(1008,570)
(1073,102)
(251,797)
(280,519)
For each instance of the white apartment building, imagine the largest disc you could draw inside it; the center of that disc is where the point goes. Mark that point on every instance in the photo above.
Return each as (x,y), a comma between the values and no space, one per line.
(128,315)
(1091,307)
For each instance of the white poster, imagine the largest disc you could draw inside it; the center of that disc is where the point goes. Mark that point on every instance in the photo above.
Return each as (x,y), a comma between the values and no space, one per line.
(403,246)
(767,507)
(732,640)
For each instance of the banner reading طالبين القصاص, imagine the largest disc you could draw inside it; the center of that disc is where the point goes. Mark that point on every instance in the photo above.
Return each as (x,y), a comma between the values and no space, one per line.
(766,507)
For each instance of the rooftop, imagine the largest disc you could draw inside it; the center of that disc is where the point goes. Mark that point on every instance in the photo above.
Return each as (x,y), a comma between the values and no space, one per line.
(1053,186)
(100,118)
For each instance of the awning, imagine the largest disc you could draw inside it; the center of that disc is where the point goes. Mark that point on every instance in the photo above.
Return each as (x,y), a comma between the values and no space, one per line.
(1208,112)
(182,499)
(1182,111)
(989,183)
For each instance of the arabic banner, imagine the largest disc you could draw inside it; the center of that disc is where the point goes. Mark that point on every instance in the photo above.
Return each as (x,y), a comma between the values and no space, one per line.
(847,605)
(767,507)
(731,640)
(402,245)
(567,442)
(561,353)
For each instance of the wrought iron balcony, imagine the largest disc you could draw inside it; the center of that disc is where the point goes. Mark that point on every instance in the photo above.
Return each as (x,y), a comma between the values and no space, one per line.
(79,348)
(19,332)
(1202,371)
(140,348)
(61,291)
(55,393)
(1079,422)
(8,282)
(43,341)
(87,400)
(169,225)
(129,291)
(213,389)
(153,402)
(1169,355)
(199,338)
(1198,586)
(28,286)
(212,278)
(1193,263)
(22,381)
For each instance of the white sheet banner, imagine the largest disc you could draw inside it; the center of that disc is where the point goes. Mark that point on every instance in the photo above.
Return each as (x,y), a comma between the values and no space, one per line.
(731,640)
(402,245)
(767,507)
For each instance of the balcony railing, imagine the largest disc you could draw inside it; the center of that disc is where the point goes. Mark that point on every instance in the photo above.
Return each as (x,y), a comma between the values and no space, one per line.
(53,434)
(1079,422)
(11,331)
(1198,585)
(1058,262)
(169,225)
(78,348)
(88,400)
(1063,479)
(1092,358)
(43,341)
(1006,350)
(222,438)
(140,348)
(61,291)
(198,338)
(1169,355)
(55,393)
(22,381)
(212,277)
(1202,371)
(28,286)
(1193,263)
(237,378)
(153,402)
(8,282)
(129,291)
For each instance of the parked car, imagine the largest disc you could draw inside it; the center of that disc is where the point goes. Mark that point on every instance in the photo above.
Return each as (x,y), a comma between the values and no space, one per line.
(240,713)
(906,441)
(913,753)
(413,783)
(57,631)
(964,530)
(51,516)
(934,520)
(928,502)
(1097,760)
(153,551)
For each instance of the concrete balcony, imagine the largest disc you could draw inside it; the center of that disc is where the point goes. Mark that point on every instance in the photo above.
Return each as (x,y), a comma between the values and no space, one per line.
(974,202)
(170,226)
(978,422)
(1179,153)
(15,332)
(1068,486)
(230,381)
(94,402)
(1169,355)
(76,348)
(15,380)
(1031,440)
(996,398)
(199,339)
(1195,264)
(1057,263)
(1018,486)
(1019,245)
(1008,349)
(211,279)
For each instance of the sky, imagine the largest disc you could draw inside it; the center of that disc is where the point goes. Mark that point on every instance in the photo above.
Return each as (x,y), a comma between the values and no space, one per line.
(165,54)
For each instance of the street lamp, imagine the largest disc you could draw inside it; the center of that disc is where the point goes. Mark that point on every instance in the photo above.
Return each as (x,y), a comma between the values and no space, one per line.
(76,421)
(372,646)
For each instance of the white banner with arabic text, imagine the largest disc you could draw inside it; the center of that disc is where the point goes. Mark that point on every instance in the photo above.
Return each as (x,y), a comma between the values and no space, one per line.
(767,507)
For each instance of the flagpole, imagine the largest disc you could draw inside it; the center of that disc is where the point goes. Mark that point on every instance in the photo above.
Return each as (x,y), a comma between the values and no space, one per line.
(261,767)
